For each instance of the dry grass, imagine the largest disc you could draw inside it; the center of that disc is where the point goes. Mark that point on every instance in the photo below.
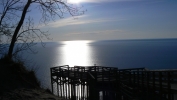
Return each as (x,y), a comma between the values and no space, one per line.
(16,82)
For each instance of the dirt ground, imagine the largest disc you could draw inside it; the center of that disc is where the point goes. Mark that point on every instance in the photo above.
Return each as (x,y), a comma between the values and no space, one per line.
(29,94)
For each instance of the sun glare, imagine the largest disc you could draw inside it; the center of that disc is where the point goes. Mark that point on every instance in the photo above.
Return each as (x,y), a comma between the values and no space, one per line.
(75,1)
(76,53)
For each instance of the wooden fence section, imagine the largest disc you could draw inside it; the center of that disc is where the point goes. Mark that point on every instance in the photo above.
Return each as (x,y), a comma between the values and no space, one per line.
(148,84)
(108,83)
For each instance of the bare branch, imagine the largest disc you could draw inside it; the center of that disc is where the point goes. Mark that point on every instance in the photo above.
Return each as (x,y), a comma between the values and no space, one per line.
(51,8)
(21,31)
(29,36)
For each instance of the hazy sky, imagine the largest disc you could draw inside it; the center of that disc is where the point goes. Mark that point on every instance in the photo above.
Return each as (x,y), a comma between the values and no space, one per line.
(118,19)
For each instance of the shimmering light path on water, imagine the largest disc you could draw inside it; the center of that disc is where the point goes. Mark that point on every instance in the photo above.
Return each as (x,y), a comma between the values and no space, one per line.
(75,53)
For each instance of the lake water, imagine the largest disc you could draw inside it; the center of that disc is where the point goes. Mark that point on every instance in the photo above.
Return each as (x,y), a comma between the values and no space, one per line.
(152,54)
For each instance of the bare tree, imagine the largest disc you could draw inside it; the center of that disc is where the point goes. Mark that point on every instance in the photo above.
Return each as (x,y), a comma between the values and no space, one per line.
(8,15)
(28,34)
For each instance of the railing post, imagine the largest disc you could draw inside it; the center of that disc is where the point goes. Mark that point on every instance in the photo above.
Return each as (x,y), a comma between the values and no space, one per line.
(160,82)
(147,73)
(138,77)
(57,86)
(169,86)
(51,77)
(153,78)
(60,83)
(134,78)
(68,83)
(129,77)
(142,79)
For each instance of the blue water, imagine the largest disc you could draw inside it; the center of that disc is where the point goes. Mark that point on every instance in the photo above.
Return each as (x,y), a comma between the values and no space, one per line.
(152,54)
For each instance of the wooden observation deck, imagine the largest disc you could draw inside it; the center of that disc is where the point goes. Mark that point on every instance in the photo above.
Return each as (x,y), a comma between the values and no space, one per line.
(109,83)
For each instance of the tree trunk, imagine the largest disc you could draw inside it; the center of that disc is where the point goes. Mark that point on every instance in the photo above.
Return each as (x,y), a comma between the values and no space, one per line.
(14,37)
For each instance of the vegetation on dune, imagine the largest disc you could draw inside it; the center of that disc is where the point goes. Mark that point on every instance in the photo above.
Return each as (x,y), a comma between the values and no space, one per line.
(14,75)
(18,83)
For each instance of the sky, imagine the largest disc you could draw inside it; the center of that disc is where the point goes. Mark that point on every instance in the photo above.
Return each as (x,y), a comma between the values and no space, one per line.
(117,20)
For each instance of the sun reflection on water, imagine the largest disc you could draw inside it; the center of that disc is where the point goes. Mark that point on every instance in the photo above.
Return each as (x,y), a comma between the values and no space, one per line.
(76,53)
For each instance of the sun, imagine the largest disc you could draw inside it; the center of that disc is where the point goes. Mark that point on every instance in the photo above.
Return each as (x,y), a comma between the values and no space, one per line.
(75,1)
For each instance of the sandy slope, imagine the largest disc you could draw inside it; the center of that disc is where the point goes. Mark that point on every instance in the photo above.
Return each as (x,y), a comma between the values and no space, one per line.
(28,94)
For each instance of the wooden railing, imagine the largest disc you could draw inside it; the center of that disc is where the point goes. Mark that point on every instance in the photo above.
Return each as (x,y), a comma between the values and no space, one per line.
(152,83)
(86,82)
